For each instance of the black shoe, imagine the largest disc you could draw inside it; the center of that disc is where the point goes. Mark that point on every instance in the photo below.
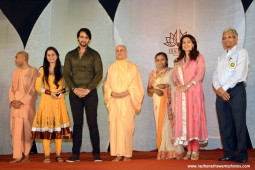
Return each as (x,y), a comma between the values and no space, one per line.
(97,158)
(241,159)
(73,158)
(227,158)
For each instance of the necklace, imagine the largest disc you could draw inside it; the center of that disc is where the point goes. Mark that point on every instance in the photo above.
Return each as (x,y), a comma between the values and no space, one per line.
(160,72)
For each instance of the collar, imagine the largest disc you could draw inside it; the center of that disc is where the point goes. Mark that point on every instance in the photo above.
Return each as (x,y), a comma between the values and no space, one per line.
(232,49)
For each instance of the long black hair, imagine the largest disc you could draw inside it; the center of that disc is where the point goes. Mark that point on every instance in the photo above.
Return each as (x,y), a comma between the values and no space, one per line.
(57,70)
(193,53)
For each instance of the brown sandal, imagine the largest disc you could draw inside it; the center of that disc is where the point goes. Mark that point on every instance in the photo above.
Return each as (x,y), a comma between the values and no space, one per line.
(25,159)
(59,159)
(16,160)
(46,160)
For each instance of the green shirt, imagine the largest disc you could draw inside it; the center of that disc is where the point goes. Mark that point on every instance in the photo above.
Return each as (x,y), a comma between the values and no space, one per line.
(84,72)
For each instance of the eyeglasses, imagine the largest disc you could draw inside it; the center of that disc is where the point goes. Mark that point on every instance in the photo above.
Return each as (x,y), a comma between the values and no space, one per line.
(228,37)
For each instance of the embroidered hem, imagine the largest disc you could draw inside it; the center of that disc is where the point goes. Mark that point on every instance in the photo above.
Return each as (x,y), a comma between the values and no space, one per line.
(181,141)
(40,133)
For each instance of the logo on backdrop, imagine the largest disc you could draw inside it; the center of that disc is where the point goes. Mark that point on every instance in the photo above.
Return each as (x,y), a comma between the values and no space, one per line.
(173,41)
(170,40)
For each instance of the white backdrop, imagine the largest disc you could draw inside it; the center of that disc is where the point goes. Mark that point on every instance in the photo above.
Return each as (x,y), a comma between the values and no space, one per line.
(143,27)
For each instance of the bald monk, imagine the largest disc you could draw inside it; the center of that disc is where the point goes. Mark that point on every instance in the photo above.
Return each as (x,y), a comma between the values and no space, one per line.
(22,96)
(123,94)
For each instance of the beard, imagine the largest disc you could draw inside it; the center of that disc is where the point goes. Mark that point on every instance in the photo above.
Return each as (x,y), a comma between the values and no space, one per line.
(83,43)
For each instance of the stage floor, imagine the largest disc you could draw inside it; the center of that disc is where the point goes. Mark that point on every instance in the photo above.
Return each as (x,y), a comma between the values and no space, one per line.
(140,161)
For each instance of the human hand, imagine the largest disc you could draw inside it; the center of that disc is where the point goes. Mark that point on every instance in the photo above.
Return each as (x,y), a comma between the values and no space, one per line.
(12,104)
(84,92)
(161,86)
(54,95)
(120,95)
(17,105)
(62,91)
(223,94)
(182,88)
(78,92)
(159,92)
(81,92)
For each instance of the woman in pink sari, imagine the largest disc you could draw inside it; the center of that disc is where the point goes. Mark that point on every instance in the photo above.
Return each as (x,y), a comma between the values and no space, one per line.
(159,86)
(190,117)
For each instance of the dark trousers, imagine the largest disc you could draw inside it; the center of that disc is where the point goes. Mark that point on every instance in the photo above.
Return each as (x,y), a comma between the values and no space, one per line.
(90,103)
(232,121)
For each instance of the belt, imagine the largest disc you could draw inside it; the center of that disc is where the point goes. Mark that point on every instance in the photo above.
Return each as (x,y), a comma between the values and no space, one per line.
(237,84)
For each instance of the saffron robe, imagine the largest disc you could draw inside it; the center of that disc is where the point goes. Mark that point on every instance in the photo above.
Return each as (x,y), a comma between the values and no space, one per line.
(123,76)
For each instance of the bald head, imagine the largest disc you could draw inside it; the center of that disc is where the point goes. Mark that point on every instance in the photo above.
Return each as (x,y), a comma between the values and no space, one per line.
(121,52)
(23,54)
(21,58)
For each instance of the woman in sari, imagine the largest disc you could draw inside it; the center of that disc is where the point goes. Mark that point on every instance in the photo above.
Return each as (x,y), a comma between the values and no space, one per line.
(190,117)
(159,86)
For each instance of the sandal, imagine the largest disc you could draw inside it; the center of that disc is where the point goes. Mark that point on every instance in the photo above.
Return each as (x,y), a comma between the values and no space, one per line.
(170,155)
(195,156)
(46,160)
(179,156)
(16,160)
(187,156)
(59,159)
(25,159)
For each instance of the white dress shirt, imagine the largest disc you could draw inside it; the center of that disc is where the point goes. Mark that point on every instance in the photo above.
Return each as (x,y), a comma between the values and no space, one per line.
(232,68)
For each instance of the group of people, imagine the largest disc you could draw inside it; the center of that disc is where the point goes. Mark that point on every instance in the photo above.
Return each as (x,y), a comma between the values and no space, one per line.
(180,120)
(177,92)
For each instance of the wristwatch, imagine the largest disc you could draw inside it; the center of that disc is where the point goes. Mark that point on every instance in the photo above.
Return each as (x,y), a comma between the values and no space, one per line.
(73,88)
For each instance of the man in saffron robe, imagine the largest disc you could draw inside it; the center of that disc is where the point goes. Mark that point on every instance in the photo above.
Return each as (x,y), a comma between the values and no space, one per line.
(123,94)
(22,96)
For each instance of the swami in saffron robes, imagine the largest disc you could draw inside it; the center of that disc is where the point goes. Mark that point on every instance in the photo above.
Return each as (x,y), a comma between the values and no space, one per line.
(123,95)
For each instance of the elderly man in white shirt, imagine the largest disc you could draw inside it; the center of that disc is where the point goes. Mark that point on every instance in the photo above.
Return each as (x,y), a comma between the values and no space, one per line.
(229,83)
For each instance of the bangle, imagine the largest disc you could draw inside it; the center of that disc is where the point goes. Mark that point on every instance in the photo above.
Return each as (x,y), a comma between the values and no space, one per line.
(188,85)
(63,90)
(48,92)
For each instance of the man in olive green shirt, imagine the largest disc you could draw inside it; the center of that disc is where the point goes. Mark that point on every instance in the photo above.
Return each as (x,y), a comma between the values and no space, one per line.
(83,71)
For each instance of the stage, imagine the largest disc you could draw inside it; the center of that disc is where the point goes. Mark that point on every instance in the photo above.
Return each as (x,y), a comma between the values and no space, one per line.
(140,161)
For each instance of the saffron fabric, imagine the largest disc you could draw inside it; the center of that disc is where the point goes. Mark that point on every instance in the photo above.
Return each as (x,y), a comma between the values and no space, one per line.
(123,76)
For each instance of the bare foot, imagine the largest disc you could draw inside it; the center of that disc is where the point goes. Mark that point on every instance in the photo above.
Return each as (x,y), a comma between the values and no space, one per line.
(117,159)
(127,159)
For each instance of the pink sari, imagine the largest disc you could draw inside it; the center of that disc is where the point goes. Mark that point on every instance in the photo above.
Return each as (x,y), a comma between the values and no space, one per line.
(190,116)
